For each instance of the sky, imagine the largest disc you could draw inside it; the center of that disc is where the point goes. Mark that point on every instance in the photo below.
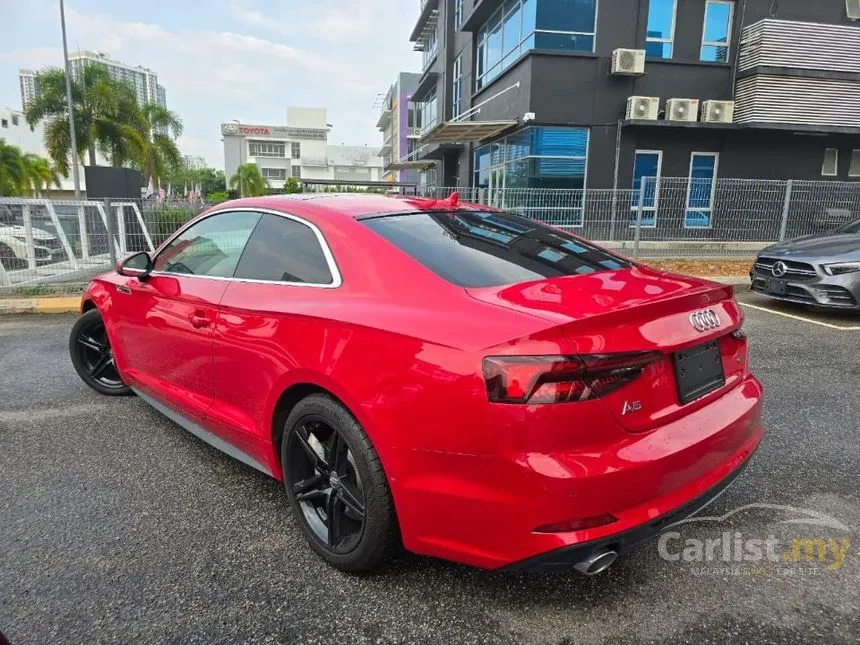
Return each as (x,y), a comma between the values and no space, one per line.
(221,60)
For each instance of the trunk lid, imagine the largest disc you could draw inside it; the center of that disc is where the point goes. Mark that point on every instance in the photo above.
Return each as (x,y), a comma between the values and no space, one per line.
(635,310)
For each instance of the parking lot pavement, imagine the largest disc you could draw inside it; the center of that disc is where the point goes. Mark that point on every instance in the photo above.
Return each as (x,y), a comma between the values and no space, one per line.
(117,526)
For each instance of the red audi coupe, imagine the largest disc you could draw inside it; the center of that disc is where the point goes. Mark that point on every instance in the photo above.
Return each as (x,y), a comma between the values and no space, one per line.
(467,383)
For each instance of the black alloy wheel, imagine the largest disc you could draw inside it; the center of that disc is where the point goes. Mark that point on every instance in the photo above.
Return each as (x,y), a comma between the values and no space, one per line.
(92,356)
(336,485)
(326,484)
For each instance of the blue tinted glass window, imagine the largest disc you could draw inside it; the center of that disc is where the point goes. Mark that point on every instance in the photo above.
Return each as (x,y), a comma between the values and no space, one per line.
(646,164)
(522,25)
(564,42)
(494,40)
(567,15)
(700,196)
(559,142)
(529,12)
(482,167)
(518,145)
(511,32)
(537,157)
(717,31)
(661,28)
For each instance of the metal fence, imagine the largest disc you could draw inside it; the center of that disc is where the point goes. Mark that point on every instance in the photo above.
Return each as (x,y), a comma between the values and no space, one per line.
(55,242)
(683,218)
(50,242)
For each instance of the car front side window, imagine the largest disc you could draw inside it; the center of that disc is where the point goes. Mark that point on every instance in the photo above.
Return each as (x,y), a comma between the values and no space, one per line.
(212,247)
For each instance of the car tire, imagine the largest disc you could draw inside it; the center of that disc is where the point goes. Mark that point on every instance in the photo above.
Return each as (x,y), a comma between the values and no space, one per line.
(306,455)
(92,357)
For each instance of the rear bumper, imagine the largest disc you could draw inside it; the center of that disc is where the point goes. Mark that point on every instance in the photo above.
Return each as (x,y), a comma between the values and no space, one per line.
(483,511)
(626,541)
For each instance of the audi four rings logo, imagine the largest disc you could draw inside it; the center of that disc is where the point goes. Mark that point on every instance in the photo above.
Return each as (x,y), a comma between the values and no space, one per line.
(779,269)
(705,320)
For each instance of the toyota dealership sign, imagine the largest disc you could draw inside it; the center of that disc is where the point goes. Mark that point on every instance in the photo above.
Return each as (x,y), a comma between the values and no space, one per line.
(242,130)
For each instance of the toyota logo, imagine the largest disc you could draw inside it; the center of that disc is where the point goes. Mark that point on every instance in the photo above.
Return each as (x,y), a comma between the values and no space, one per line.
(705,320)
(779,269)
(230,128)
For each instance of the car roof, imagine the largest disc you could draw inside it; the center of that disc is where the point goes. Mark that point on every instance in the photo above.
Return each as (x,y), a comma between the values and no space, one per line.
(353,205)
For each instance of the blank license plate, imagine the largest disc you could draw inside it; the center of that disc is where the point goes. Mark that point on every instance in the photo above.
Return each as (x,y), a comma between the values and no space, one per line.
(699,371)
(776,287)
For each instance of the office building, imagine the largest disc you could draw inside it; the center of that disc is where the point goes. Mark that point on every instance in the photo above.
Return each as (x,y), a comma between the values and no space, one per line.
(596,93)
(400,127)
(299,148)
(143,80)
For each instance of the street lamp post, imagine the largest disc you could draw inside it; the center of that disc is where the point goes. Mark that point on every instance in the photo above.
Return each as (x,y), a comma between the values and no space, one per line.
(71,105)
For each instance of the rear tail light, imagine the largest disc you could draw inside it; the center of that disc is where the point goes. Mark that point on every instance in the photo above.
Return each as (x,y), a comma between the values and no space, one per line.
(561,379)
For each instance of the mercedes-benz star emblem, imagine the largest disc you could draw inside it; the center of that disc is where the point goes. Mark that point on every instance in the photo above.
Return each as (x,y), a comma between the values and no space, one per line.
(705,320)
(779,269)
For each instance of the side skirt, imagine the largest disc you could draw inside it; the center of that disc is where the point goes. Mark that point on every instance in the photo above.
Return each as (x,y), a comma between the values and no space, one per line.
(202,433)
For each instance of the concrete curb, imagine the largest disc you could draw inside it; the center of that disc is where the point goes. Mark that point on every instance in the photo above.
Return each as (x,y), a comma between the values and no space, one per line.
(734,280)
(60,305)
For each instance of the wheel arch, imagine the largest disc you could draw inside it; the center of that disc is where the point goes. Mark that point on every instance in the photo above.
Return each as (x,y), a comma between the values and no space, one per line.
(300,387)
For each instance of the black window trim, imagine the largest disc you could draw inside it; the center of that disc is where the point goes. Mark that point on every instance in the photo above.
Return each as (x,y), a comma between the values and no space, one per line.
(336,278)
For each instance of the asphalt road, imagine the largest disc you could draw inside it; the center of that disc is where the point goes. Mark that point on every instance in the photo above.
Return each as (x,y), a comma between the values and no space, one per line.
(116,526)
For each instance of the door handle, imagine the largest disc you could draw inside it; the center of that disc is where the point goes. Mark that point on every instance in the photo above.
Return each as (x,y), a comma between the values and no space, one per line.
(199,321)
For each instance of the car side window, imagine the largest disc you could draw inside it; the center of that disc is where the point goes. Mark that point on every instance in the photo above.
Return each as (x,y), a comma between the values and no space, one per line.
(212,247)
(284,250)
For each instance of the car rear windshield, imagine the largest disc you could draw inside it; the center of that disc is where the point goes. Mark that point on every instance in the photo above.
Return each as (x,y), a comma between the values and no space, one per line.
(490,249)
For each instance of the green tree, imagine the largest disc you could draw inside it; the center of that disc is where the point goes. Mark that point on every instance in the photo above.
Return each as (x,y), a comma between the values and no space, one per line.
(38,174)
(248,181)
(150,142)
(209,179)
(12,170)
(292,185)
(104,108)
(24,173)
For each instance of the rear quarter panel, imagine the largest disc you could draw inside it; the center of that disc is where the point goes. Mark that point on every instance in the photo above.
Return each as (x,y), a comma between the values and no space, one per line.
(411,375)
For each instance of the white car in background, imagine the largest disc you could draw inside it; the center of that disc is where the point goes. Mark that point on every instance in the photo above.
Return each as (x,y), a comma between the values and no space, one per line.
(13,244)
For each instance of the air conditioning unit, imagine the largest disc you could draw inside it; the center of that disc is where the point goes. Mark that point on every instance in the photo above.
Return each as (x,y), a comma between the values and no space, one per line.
(718,111)
(643,107)
(629,62)
(852,8)
(682,110)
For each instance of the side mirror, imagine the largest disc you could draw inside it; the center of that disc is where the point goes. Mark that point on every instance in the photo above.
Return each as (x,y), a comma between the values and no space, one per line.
(135,266)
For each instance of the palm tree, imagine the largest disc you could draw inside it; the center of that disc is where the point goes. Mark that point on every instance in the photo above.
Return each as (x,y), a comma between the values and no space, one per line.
(38,172)
(103,107)
(12,170)
(249,181)
(151,141)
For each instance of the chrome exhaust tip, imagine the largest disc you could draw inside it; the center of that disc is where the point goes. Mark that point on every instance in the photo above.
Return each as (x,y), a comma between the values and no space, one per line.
(596,562)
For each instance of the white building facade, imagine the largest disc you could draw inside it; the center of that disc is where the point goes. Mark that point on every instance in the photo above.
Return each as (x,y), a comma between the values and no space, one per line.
(297,149)
(143,80)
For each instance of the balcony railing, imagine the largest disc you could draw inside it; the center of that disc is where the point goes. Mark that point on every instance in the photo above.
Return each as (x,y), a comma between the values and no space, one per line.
(429,13)
(799,73)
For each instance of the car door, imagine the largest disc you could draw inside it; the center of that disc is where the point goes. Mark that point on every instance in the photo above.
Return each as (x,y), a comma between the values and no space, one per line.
(269,323)
(166,322)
